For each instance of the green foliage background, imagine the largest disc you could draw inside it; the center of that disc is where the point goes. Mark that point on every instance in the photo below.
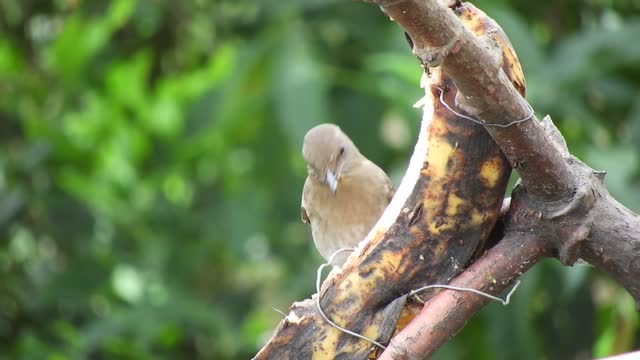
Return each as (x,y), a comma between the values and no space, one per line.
(150,167)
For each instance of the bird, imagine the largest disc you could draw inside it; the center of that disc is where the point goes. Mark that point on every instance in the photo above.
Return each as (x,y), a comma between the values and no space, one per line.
(344,193)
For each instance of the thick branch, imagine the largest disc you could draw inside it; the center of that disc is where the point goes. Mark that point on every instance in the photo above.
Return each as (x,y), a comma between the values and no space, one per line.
(613,245)
(555,184)
(440,39)
(446,313)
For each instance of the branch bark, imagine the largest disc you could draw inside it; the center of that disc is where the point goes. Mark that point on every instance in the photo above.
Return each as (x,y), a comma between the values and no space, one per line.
(446,313)
(554,181)
(562,205)
(474,63)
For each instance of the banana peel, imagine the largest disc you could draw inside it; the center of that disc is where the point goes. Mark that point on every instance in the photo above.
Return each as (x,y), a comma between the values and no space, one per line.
(439,220)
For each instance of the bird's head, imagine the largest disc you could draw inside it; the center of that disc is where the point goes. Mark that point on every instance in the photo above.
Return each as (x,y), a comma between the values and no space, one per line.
(329,154)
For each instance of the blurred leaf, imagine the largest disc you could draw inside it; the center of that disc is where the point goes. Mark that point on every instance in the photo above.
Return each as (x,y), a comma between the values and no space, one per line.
(299,84)
(127,81)
(619,172)
(120,11)
(398,65)
(127,283)
(10,59)
(594,51)
(76,44)
(605,327)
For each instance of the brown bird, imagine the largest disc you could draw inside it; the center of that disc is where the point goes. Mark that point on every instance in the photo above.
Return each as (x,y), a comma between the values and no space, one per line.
(344,194)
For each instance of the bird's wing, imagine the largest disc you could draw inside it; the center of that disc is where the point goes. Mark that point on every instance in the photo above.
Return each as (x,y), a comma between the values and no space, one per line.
(387,187)
(390,190)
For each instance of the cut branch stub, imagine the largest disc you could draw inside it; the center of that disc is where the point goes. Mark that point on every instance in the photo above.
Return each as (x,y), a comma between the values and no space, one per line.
(562,224)
(442,214)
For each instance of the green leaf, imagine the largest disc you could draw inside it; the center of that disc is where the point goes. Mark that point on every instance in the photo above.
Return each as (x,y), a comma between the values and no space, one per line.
(126,82)
(10,58)
(78,42)
(120,12)
(300,85)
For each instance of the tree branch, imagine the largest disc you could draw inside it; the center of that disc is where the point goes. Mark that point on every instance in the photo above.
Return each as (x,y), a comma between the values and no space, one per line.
(446,204)
(474,63)
(558,188)
(446,313)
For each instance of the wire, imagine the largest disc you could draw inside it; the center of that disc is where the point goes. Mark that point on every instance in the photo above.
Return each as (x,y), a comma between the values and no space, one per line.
(531,113)
(326,318)
(504,302)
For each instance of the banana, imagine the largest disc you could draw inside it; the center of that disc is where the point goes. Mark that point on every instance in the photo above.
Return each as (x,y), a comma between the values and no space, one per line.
(438,222)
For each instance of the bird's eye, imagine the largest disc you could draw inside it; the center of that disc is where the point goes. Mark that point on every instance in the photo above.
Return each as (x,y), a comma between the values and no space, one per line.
(341,151)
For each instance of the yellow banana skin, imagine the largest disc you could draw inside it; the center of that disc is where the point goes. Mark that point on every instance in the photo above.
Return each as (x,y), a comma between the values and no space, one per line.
(480,24)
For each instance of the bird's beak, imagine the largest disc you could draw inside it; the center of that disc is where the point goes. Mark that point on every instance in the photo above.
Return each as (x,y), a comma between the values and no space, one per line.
(332,180)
